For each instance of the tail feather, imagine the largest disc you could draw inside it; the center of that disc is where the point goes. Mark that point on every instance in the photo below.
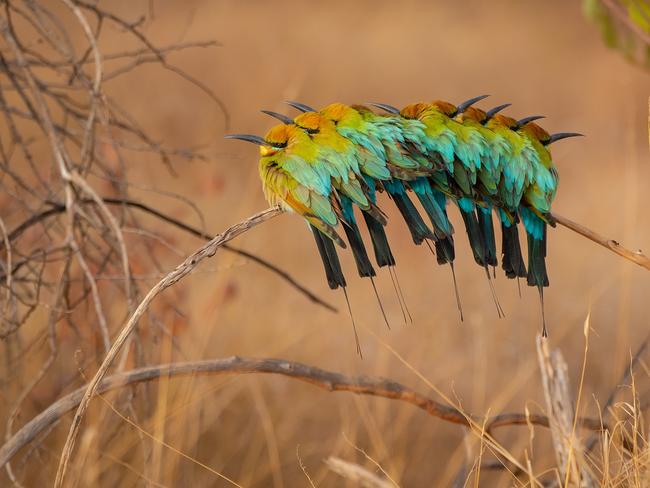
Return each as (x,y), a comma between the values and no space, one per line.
(474,235)
(512,260)
(330,260)
(486,225)
(383,254)
(417,227)
(364,267)
(445,252)
(537,275)
(441,225)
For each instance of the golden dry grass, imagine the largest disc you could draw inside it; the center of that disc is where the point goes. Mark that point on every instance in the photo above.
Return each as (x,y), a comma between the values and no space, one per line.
(269,431)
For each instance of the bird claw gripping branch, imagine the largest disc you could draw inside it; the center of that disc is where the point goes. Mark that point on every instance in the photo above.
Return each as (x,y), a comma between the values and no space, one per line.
(324,163)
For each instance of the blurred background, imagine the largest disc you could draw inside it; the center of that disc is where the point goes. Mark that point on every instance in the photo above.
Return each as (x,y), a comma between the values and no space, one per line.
(543,57)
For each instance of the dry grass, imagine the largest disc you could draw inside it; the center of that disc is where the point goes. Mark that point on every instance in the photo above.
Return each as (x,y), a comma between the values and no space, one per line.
(273,431)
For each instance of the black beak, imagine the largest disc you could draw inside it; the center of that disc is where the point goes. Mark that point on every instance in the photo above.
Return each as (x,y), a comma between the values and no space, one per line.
(299,106)
(525,120)
(468,103)
(561,135)
(248,138)
(280,117)
(384,106)
(492,112)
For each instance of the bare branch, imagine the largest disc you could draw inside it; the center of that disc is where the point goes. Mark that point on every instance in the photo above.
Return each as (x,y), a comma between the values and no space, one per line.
(327,380)
(635,256)
(57,208)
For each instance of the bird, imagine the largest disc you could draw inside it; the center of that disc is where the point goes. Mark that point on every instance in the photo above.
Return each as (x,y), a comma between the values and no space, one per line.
(326,165)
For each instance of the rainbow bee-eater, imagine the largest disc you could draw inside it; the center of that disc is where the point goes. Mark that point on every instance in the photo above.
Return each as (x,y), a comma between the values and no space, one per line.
(410,143)
(345,160)
(516,174)
(489,174)
(296,185)
(342,158)
(537,199)
(411,168)
(461,149)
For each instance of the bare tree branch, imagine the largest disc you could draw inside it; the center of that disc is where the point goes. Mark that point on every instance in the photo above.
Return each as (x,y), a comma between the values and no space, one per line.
(327,380)
(635,256)
(57,208)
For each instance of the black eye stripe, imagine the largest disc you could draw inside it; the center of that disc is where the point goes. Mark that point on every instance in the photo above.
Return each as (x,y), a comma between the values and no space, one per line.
(277,145)
(308,130)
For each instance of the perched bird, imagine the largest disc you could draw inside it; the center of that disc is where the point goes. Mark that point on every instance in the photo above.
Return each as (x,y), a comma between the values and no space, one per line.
(292,180)
(324,163)
(537,200)
(461,149)
(516,175)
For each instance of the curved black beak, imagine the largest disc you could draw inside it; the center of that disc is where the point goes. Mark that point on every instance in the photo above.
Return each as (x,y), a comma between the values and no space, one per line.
(561,135)
(384,106)
(281,117)
(525,120)
(493,111)
(248,138)
(468,103)
(299,106)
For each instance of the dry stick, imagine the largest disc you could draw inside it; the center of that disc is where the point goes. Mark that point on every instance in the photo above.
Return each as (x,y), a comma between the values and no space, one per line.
(635,256)
(58,208)
(182,270)
(327,380)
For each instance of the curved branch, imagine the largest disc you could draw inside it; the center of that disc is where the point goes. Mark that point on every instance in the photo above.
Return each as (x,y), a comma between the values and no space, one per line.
(635,256)
(182,270)
(57,208)
(327,380)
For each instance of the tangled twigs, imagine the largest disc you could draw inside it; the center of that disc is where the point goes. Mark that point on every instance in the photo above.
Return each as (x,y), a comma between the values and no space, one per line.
(58,208)
(327,380)
(182,270)
(635,256)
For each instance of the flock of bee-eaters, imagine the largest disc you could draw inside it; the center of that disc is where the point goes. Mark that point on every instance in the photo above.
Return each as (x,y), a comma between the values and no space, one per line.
(324,163)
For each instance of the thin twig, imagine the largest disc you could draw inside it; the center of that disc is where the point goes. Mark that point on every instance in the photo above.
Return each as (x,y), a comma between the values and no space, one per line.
(185,268)
(635,256)
(60,208)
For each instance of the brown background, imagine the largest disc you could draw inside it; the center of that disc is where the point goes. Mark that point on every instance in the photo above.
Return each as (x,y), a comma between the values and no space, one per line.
(543,57)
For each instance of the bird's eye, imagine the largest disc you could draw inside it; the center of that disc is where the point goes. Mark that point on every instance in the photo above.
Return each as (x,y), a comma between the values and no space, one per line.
(312,131)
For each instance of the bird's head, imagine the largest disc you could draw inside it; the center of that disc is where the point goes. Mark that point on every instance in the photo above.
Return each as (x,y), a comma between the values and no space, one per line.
(342,114)
(449,109)
(535,131)
(276,139)
(312,122)
(475,114)
(505,121)
(414,110)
